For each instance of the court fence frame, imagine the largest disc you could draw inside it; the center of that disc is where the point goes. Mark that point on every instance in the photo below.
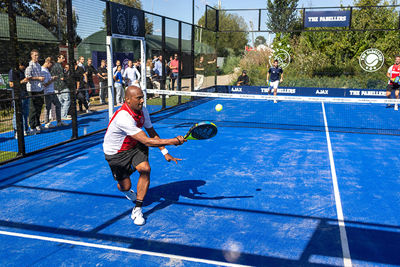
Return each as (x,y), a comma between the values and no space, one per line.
(71,43)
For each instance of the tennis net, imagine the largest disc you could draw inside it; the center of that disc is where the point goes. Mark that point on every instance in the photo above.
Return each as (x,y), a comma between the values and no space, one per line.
(345,114)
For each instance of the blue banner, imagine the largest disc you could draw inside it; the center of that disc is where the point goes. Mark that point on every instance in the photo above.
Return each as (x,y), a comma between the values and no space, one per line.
(327,19)
(300,91)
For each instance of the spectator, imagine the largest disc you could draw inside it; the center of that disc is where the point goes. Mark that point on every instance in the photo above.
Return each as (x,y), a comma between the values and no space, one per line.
(80,85)
(81,64)
(138,66)
(118,63)
(169,73)
(174,65)
(118,85)
(61,87)
(131,74)
(158,66)
(200,71)
(102,74)
(90,71)
(19,76)
(243,79)
(49,96)
(149,67)
(33,74)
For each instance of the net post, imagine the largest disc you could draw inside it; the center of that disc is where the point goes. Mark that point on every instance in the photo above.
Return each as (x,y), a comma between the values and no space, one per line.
(143,69)
(259,20)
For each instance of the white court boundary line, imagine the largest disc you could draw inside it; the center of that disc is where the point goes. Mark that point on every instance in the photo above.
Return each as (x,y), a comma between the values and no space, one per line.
(342,228)
(129,250)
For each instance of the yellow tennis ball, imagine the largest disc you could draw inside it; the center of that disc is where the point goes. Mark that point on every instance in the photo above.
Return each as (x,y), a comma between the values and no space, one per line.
(218,107)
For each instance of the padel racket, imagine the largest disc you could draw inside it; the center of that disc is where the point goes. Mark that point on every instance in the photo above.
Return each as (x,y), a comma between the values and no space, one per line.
(201,130)
(397,80)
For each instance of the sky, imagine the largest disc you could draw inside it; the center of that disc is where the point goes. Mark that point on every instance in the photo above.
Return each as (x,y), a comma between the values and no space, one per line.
(90,11)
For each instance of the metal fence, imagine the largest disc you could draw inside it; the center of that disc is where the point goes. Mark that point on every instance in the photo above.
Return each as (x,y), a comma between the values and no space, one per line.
(74,29)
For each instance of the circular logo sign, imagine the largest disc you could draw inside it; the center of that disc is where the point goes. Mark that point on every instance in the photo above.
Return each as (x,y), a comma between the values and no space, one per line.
(135,25)
(371,60)
(281,55)
(121,22)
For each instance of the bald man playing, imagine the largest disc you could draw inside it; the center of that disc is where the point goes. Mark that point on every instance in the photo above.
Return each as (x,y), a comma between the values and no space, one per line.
(126,148)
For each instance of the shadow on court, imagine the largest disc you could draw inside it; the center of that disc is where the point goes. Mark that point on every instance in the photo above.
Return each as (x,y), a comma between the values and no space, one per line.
(368,242)
(323,248)
(168,194)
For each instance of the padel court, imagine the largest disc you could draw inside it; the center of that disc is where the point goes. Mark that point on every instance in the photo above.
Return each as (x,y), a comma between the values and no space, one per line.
(286,184)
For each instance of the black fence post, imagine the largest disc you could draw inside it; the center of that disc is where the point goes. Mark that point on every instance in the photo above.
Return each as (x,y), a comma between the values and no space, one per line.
(351,17)
(399,20)
(216,45)
(193,57)
(15,77)
(179,85)
(71,59)
(164,77)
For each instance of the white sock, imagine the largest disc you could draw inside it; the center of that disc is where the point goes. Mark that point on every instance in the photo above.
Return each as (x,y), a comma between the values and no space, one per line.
(130,194)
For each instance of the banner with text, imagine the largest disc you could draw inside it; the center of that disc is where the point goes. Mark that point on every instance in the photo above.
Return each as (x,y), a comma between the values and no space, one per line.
(327,19)
(301,91)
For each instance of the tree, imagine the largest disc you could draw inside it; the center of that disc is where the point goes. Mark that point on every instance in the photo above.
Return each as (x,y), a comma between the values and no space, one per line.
(259,40)
(45,13)
(235,41)
(281,15)
(135,4)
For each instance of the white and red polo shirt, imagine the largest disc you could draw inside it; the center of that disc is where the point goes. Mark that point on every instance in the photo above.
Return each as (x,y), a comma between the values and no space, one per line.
(394,71)
(123,124)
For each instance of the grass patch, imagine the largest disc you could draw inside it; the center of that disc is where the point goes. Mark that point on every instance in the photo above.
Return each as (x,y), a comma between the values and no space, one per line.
(171,101)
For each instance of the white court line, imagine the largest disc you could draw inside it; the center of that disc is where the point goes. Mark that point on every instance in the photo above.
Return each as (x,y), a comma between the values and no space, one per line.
(129,250)
(339,210)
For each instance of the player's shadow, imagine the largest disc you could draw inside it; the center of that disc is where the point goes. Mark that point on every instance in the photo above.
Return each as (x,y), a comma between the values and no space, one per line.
(168,194)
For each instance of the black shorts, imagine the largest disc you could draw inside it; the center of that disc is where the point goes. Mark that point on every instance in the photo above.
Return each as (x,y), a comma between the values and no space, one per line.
(124,163)
(392,86)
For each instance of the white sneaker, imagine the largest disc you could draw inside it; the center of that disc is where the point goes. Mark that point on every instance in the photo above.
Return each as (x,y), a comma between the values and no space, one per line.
(275,101)
(38,129)
(137,216)
(48,125)
(88,111)
(67,118)
(396,107)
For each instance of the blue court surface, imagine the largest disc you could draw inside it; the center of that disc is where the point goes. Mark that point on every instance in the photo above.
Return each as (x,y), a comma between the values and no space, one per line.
(286,184)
